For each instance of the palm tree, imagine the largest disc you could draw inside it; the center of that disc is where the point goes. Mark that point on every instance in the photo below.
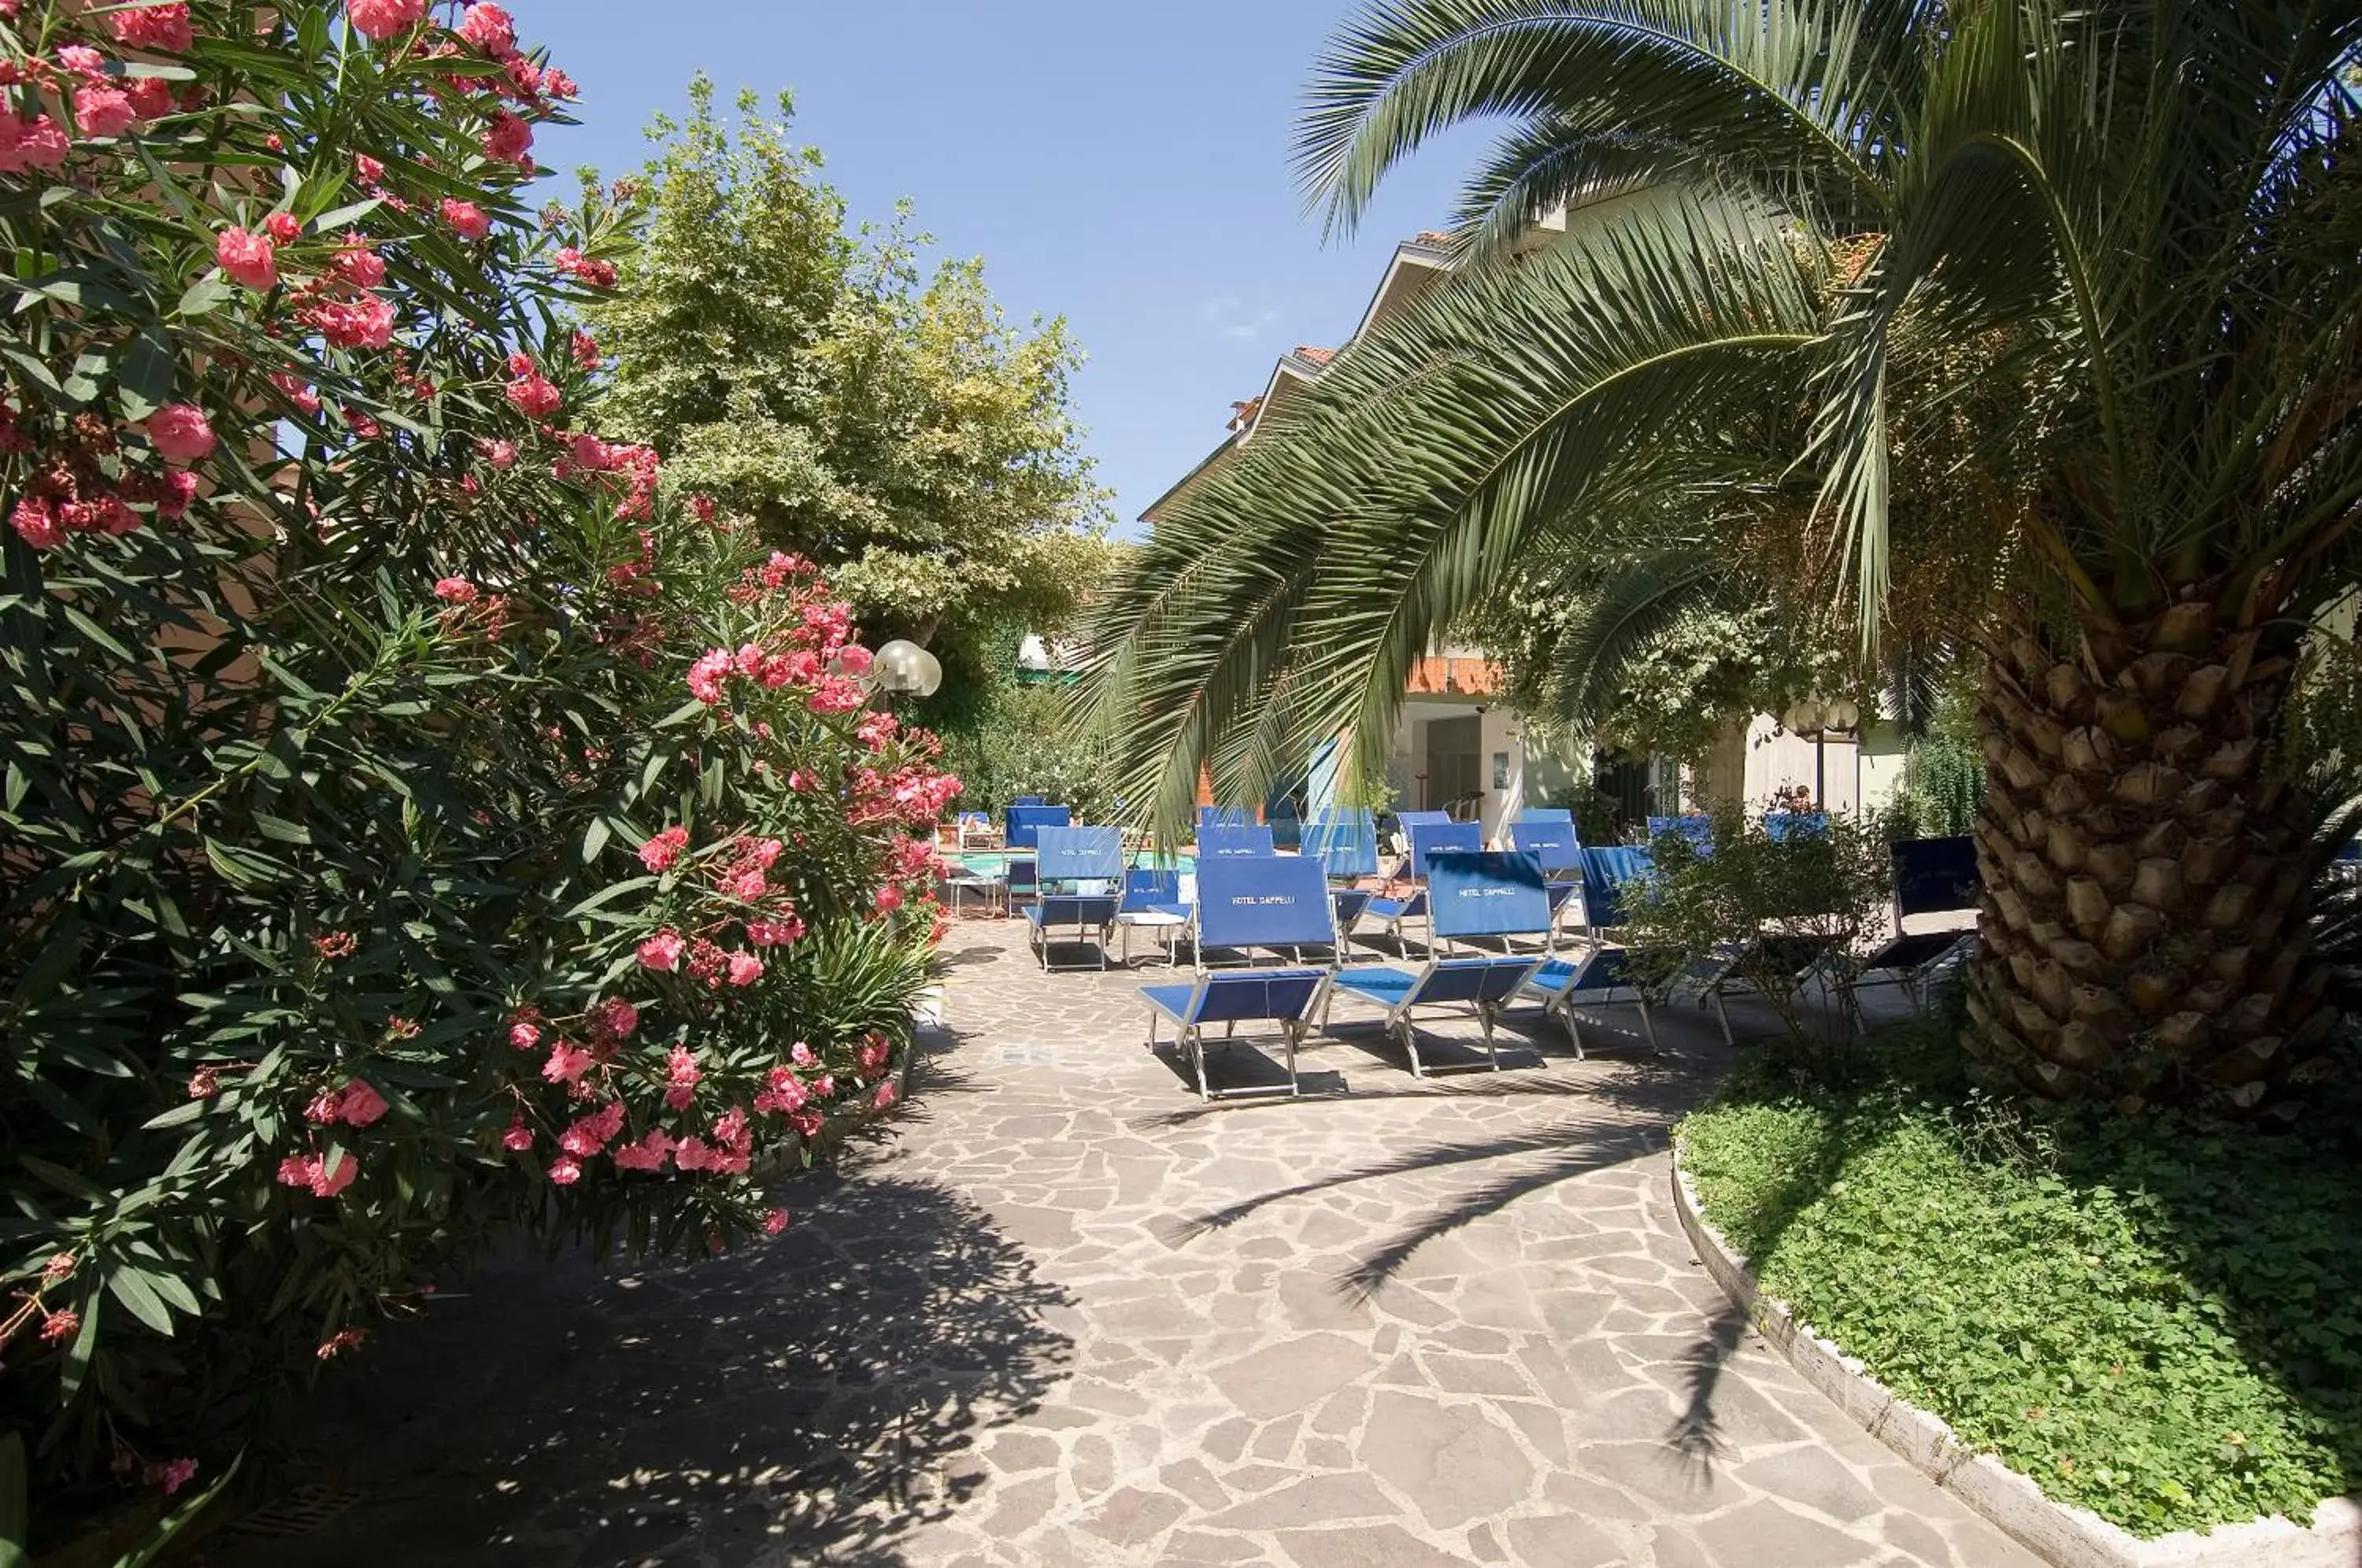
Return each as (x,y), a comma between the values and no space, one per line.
(2101,259)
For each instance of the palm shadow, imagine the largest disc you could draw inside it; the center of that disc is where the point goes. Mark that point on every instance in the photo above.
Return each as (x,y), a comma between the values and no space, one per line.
(817,1397)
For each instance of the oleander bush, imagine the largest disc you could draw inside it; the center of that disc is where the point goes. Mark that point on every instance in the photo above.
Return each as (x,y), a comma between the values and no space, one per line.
(2154,1316)
(415,821)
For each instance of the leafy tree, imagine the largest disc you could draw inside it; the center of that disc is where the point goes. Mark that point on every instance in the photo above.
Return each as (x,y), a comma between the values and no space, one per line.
(2025,323)
(886,423)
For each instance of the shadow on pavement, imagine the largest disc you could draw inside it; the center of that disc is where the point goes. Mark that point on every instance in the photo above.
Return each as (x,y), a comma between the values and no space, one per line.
(810,1401)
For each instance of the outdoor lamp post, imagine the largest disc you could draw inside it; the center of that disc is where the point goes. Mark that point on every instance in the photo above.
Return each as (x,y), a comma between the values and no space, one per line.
(905,669)
(1817,718)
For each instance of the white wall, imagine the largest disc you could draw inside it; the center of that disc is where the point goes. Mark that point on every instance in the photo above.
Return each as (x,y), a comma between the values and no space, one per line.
(1499,735)
(1777,759)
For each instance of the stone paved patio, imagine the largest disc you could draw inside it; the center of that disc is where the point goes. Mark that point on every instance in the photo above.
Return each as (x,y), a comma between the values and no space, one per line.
(1066,1317)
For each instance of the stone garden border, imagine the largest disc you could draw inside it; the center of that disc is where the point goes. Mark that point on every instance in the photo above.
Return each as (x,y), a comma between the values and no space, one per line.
(2058,1533)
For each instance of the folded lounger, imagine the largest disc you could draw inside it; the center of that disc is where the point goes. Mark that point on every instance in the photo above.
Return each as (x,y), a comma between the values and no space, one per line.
(1471,893)
(1275,902)
(1078,868)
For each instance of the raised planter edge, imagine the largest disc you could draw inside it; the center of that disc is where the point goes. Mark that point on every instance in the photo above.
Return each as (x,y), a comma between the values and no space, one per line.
(2059,1533)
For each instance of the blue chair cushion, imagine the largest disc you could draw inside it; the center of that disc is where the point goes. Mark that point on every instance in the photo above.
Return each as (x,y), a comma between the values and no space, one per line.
(1378,982)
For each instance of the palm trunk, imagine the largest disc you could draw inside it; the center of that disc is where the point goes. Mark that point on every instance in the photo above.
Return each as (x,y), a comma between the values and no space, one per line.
(2146,930)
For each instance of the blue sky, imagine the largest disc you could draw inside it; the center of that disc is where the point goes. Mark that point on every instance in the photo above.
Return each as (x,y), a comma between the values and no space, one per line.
(1123,164)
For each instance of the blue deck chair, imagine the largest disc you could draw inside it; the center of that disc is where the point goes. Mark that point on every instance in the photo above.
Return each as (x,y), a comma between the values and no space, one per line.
(1278,903)
(1406,821)
(1932,875)
(1026,822)
(1551,838)
(1698,829)
(1471,893)
(1151,898)
(1346,845)
(1027,800)
(1426,838)
(1561,983)
(1781,826)
(1080,867)
(1230,841)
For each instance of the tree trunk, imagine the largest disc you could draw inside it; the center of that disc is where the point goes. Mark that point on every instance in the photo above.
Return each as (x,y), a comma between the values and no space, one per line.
(2147,912)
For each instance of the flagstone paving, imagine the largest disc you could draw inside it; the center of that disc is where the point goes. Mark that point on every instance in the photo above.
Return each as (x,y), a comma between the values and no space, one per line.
(1064,1316)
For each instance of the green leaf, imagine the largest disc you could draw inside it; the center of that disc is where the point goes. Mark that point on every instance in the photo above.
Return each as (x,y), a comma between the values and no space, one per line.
(130,1285)
(205,296)
(144,376)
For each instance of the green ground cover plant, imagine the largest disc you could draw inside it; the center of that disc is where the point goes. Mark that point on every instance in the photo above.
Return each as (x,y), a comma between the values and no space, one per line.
(2154,1318)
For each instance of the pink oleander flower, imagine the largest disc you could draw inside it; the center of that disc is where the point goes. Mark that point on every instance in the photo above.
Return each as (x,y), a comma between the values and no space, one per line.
(775,933)
(890,898)
(801,1055)
(744,968)
(377,20)
(455,591)
(151,97)
(567,1062)
(563,1171)
(284,228)
(249,261)
(887,1094)
(586,351)
(358,264)
(706,675)
(31,142)
(765,852)
(368,169)
(662,951)
(62,1324)
(180,434)
(489,29)
(60,1266)
(731,1130)
(204,1084)
(746,886)
(333,1179)
(340,1341)
(360,1104)
(104,112)
(500,454)
(366,323)
(296,391)
(854,661)
(161,26)
(558,84)
(837,694)
(467,219)
(614,1019)
(683,1076)
(775,1221)
(83,62)
(519,1137)
(691,1154)
(593,1133)
(524,1035)
(324,1107)
(509,140)
(535,395)
(648,1154)
(660,853)
(36,523)
(782,1092)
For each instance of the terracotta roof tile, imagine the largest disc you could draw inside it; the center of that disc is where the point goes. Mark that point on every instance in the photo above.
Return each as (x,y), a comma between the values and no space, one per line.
(1315,356)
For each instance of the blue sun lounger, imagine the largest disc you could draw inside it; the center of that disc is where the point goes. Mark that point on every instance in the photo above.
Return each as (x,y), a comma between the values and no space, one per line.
(1085,865)
(1232,841)
(1346,845)
(1932,875)
(1276,904)
(1471,893)
(1426,839)
(1551,838)
(1024,824)
(1604,968)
